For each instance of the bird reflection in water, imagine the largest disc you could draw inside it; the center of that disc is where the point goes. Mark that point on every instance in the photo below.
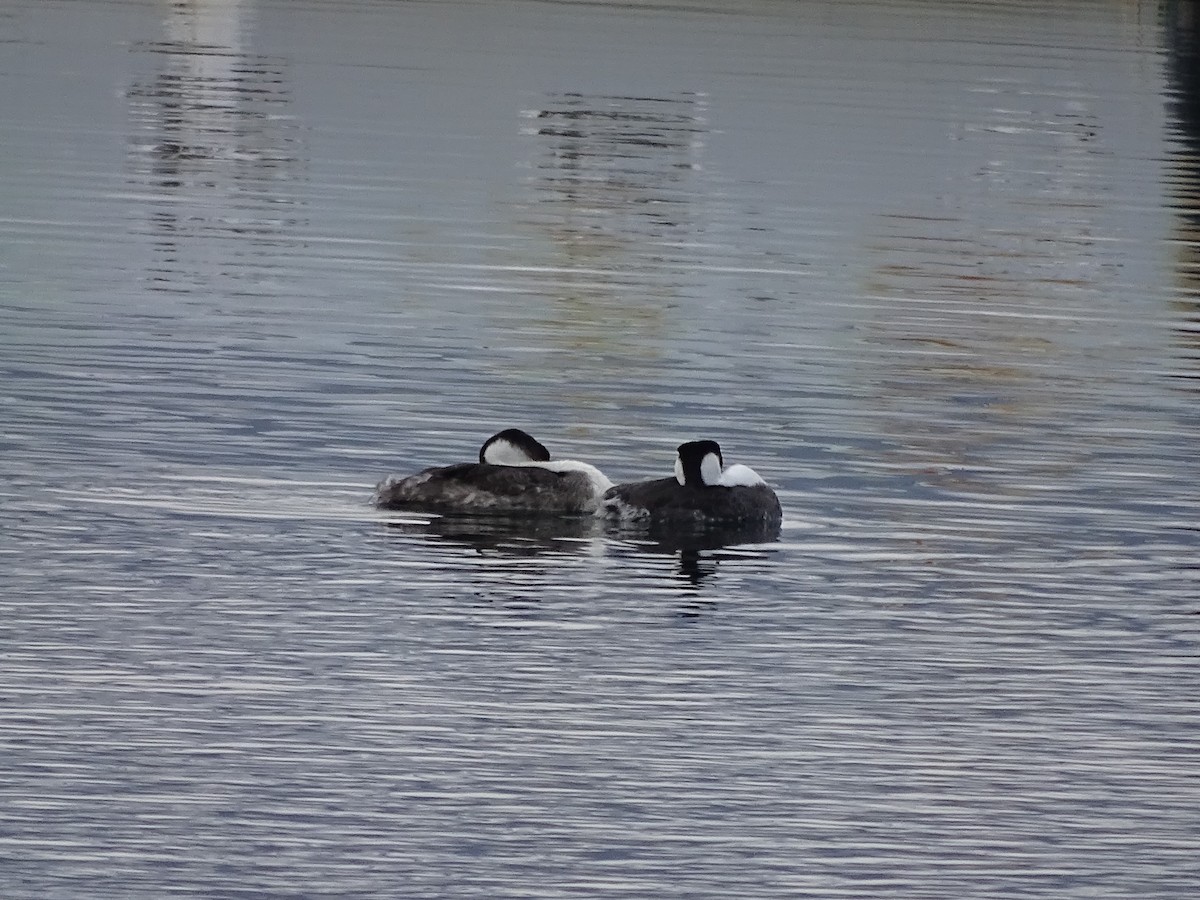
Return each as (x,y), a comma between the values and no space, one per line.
(508,535)
(700,550)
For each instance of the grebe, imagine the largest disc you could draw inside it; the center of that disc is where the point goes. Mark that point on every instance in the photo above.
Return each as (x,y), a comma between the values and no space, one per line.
(514,475)
(703,491)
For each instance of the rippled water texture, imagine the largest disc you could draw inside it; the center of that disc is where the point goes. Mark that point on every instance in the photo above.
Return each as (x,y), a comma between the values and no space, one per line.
(929,268)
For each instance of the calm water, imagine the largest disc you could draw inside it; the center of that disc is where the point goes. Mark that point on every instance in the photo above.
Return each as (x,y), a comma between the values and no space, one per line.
(933,269)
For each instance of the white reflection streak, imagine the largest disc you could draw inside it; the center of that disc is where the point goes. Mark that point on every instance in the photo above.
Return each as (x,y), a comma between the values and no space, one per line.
(210,24)
(211,31)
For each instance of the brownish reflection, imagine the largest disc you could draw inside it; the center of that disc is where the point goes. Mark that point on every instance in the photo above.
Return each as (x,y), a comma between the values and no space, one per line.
(983,300)
(212,147)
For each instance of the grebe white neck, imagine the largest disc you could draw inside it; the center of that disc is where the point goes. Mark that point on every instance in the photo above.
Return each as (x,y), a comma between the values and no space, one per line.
(710,469)
(504,453)
(512,447)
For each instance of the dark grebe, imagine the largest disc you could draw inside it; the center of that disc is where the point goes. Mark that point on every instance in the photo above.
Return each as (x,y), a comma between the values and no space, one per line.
(514,475)
(703,491)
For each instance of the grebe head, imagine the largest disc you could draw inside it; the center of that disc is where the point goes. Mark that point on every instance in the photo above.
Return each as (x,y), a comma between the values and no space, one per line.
(699,464)
(512,447)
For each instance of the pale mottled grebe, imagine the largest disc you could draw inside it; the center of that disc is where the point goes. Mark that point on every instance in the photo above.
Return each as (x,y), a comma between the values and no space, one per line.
(514,475)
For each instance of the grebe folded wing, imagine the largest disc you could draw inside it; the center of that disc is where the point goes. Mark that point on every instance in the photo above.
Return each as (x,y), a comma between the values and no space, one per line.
(465,486)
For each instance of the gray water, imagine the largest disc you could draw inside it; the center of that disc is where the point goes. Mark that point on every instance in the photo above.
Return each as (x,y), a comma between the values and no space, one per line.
(930,268)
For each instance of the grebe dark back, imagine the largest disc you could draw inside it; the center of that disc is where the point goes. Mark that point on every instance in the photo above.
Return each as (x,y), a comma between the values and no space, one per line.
(702,491)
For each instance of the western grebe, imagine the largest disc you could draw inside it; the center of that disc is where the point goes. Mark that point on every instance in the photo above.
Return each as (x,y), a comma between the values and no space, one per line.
(514,475)
(703,491)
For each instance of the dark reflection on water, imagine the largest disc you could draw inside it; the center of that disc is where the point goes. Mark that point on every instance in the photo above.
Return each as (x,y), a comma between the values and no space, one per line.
(697,558)
(697,551)
(519,536)
(929,268)
(1182,28)
(673,537)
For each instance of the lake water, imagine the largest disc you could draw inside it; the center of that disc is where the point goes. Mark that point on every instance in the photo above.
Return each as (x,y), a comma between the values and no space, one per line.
(933,269)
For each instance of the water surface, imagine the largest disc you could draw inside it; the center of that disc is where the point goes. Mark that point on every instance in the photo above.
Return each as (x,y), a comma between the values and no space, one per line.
(929,268)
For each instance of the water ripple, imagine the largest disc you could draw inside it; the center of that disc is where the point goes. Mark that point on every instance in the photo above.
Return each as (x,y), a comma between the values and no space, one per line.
(927,268)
